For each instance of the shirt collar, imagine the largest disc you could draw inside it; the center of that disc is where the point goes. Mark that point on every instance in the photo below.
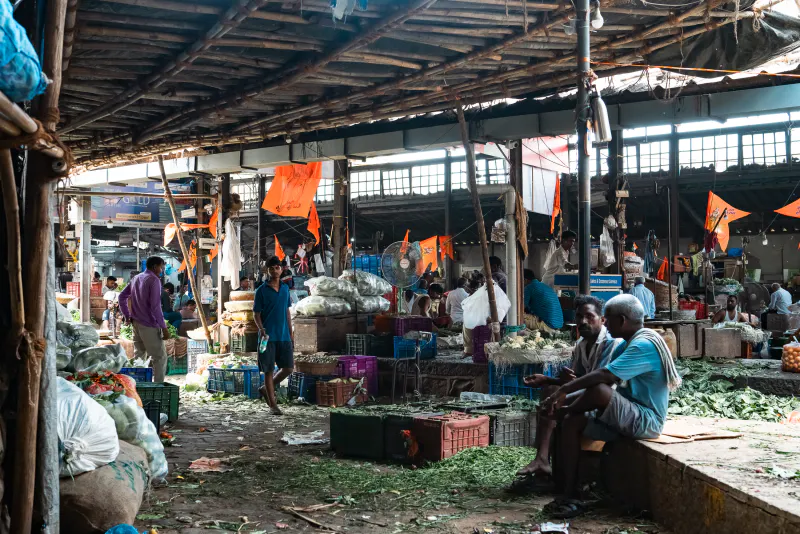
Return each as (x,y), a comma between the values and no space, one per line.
(601,337)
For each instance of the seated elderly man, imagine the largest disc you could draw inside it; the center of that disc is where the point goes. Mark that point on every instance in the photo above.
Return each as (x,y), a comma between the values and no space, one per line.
(644,374)
(592,351)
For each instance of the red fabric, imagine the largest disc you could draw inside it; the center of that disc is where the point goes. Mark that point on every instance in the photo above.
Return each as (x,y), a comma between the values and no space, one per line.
(292,190)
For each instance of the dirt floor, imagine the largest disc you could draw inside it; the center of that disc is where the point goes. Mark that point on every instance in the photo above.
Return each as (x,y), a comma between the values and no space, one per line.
(264,477)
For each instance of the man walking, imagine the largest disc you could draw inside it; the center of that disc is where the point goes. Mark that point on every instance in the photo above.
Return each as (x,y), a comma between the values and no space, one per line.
(140,303)
(274,322)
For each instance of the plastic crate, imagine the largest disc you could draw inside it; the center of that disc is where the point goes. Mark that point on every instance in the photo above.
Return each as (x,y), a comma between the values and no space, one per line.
(304,386)
(96,289)
(335,394)
(406,348)
(360,367)
(359,344)
(353,433)
(368,262)
(509,381)
(244,342)
(395,440)
(382,346)
(178,366)
(245,381)
(443,436)
(317,369)
(167,394)
(152,410)
(74,289)
(404,325)
(481,335)
(194,347)
(509,428)
(140,374)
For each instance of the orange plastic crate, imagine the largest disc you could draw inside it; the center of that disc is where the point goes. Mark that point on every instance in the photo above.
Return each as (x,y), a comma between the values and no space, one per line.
(442,436)
(334,394)
(96,289)
(74,289)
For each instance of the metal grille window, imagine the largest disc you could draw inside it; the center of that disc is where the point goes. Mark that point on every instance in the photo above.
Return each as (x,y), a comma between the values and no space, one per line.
(630,160)
(396,182)
(324,191)
(365,184)
(248,193)
(427,179)
(719,151)
(458,175)
(498,171)
(768,148)
(654,157)
(795,143)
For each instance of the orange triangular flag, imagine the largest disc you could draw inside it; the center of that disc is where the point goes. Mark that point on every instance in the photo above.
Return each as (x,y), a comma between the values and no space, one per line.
(556,205)
(662,271)
(212,222)
(714,213)
(213,253)
(791,210)
(446,247)
(313,222)
(278,249)
(428,247)
(404,246)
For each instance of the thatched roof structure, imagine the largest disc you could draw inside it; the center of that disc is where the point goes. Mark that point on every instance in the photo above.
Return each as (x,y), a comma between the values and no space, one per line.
(148,76)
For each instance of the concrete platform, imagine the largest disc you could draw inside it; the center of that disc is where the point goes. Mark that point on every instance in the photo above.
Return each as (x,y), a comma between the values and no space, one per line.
(715,486)
(766,377)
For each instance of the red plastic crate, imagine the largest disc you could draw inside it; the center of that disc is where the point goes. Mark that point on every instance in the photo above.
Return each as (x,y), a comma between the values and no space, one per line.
(96,289)
(360,367)
(334,394)
(442,436)
(74,289)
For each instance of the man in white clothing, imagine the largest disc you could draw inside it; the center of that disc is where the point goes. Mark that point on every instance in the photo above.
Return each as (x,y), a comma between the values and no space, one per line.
(453,303)
(558,262)
(780,300)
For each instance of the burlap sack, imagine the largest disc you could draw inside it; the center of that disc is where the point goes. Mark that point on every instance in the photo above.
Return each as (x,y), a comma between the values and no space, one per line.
(178,347)
(110,495)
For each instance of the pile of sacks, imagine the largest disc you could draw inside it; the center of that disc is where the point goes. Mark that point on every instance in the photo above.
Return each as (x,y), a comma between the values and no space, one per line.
(353,291)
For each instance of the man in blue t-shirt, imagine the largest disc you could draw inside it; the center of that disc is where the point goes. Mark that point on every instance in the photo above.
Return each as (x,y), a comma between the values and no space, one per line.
(274,321)
(643,371)
(542,302)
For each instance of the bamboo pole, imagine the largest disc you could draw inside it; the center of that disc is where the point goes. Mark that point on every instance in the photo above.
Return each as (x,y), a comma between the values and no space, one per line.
(19,122)
(476,206)
(8,187)
(177,222)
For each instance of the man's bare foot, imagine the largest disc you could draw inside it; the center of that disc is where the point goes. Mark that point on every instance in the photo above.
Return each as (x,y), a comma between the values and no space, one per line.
(537,467)
(276,411)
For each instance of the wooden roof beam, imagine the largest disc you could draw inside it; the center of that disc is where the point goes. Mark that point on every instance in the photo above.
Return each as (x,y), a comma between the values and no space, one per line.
(290,75)
(231,19)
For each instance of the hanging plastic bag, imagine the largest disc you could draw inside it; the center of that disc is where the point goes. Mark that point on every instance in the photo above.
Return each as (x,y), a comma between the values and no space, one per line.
(476,306)
(87,438)
(606,255)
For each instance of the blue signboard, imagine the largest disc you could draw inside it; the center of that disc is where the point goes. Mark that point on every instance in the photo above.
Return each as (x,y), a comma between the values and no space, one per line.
(139,209)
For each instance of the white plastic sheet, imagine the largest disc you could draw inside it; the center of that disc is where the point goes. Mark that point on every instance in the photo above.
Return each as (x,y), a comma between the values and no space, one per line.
(87,437)
(476,306)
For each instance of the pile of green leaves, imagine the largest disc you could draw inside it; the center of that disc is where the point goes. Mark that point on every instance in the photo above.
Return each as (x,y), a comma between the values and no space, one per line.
(76,315)
(126,331)
(173,332)
(703,397)
(476,471)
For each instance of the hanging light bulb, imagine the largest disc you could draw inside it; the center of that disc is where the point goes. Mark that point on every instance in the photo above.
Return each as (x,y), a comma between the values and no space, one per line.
(110,224)
(569,28)
(597,18)
(764,241)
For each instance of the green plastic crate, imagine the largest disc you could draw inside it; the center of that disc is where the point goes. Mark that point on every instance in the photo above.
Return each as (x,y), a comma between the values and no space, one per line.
(357,434)
(244,342)
(167,394)
(178,366)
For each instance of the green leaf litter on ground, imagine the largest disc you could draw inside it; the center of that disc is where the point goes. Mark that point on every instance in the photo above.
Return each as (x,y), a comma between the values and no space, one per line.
(703,397)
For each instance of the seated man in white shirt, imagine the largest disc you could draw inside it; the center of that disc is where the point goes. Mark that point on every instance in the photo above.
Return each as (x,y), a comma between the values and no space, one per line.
(558,262)
(780,300)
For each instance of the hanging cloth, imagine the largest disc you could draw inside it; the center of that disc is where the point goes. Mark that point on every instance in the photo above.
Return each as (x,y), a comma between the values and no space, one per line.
(662,271)
(404,246)
(649,253)
(556,205)
(313,223)
(428,247)
(231,262)
(292,190)
(446,247)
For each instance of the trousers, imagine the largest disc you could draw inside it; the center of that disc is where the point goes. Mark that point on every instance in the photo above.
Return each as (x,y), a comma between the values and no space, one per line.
(147,341)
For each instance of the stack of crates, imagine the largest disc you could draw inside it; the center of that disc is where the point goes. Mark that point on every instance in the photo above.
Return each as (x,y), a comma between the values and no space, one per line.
(360,367)
(407,348)
(304,386)
(370,263)
(247,342)
(193,349)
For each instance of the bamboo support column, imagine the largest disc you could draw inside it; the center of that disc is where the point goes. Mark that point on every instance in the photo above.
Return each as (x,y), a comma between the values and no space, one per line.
(476,206)
(8,187)
(177,222)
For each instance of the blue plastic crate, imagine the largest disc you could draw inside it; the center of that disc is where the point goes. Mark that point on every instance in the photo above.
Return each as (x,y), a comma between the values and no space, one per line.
(244,381)
(406,348)
(303,386)
(510,381)
(140,374)
(368,262)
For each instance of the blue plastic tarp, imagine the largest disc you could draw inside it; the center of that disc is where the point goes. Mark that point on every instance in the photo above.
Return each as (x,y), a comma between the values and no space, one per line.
(21,76)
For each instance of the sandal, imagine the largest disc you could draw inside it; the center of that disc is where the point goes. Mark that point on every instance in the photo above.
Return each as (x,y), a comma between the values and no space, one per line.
(531,484)
(565,508)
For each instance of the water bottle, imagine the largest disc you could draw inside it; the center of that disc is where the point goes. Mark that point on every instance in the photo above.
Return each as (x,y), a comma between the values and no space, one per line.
(263,340)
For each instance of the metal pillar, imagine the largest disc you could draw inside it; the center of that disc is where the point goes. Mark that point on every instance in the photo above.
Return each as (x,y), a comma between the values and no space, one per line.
(674,171)
(510,198)
(202,217)
(85,258)
(262,255)
(583,114)
(223,287)
(341,172)
(448,193)
(138,251)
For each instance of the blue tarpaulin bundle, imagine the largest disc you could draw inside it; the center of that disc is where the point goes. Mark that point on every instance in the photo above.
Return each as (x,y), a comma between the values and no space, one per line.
(21,76)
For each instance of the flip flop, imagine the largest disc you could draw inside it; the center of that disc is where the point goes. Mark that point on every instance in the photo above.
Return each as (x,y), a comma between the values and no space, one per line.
(565,508)
(531,484)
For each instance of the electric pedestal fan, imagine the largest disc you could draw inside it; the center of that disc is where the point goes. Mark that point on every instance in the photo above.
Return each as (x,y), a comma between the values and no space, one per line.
(401,264)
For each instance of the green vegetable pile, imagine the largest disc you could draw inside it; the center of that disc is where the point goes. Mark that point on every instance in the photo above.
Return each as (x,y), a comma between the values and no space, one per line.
(76,315)
(126,331)
(173,332)
(703,397)
(479,471)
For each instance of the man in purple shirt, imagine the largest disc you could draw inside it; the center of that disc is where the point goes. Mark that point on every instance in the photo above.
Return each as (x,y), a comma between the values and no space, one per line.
(140,303)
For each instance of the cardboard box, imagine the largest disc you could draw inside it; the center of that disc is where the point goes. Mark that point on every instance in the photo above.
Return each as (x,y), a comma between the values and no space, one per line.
(722,343)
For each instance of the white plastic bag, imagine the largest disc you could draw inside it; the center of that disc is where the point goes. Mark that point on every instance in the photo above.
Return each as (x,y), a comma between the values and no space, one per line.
(374,304)
(606,255)
(366,283)
(316,306)
(476,306)
(324,286)
(99,359)
(87,436)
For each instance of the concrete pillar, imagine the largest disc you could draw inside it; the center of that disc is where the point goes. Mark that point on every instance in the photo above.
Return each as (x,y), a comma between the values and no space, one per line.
(85,257)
